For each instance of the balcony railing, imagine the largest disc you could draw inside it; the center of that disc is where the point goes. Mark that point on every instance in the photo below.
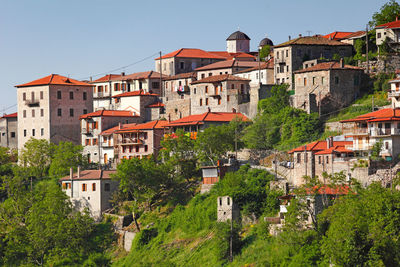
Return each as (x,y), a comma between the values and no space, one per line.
(394,94)
(131,141)
(280,60)
(381,131)
(32,102)
(87,130)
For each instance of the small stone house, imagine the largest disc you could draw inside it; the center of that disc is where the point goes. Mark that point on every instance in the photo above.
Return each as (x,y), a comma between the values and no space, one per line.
(9,130)
(389,31)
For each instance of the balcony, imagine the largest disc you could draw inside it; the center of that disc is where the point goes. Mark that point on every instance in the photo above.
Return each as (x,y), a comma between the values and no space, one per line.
(183,89)
(131,141)
(358,131)
(381,132)
(101,95)
(87,130)
(359,147)
(32,103)
(280,60)
(394,94)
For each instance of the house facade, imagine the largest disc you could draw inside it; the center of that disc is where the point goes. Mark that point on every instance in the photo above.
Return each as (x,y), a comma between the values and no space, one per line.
(91,189)
(94,123)
(389,31)
(49,109)
(138,103)
(289,56)
(224,67)
(9,130)
(326,86)
(220,93)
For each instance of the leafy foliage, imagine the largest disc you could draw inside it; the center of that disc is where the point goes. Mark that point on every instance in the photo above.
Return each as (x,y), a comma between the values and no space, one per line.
(65,156)
(387,13)
(264,52)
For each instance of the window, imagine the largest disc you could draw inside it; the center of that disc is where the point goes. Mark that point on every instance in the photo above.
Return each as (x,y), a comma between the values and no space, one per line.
(58,94)
(256,75)
(33,113)
(93,186)
(287,68)
(95,142)
(327,159)
(277,69)
(379,35)
(84,187)
(33,132)
(209,74)
(155,85)
(145,136)
(12,134)
(219,101)
(146,148)
(319,159)
(84,95)
(24,113)
(322,80)
(71,112)
(298,158)
(227,98)
(106,88)
(23,96)
(194,91)
(85,111)
(42,131)
(305,81)
(201,102)
(33,96)
(203,75)
(206,89)
(137,148)
(71,95)
(182,65)
(41,112)
(336,80)
(287,53)
(386,145)
(106,187)
(206,101)
(232,86)
(25,133)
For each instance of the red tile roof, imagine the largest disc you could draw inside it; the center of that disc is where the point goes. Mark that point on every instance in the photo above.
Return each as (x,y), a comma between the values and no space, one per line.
(319,146)
(187,75)
(207,117)
(140,76)
(12,115)
(157,124)
(355,35)
(220,78)
(229,64)
(156,105)
(333,65)
(191,53)
(229,56)
(386,114)
(335,149)
(54,79)
(263,65)
(89,175)
(116,128)
(108,113)
(135,93)
(337,35)
(106,78)
(390,25)
(328,190)
(312,40)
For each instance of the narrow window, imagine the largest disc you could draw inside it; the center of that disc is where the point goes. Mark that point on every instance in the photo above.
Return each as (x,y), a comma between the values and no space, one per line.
(33,132)
(327,159)
(206,101)
(71,112)
(298,158)
(85,111)
(227,98)
(146,148)
(58,94)
(12,134)
(201,101)
(23,96)
(33,113)
(71,95)
(206,89)
(33,96)
(41,94)
(137,148)
(93,186)
(305,81)
(107,187)
(24,132)
(84,188)
(24,113)
(228,201)
(84,96)
(59,112)
(42,131)
(41,112)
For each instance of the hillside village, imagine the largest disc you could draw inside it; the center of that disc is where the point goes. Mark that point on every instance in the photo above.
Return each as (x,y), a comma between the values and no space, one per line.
(266,139)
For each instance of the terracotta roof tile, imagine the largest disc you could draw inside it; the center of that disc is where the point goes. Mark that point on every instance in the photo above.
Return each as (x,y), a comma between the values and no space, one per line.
(333,65)
(355,35)
(106,78)
(319,146)
(135,93)
(108,113)
(54,79)
(140,76)
(207,116)
(337,35)
(157,124)
(116,128)
(187,75)
(229,56)
(263,65)
(386,114)
(220,78)
(12,115)
(229,64)
(390,25)
(156,105)
(312,40)
(328,190)
(89,175)
(191,53)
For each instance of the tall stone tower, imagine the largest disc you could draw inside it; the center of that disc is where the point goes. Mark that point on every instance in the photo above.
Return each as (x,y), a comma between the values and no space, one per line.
(226,209)
(238,42)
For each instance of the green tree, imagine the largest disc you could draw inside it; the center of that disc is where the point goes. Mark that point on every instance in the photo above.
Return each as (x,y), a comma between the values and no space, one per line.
(65,155)
(36,156)
(265,52)
(387,13)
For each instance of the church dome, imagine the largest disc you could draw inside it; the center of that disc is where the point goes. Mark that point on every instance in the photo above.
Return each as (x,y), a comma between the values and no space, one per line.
(238,35)
(266,41)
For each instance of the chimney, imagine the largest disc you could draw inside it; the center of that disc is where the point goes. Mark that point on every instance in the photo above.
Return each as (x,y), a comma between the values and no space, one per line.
(71,173)
(79,172)
(233,110)
(290,38)
(329,142)
(119,126)
(341,63)
(90,78)
(122,73)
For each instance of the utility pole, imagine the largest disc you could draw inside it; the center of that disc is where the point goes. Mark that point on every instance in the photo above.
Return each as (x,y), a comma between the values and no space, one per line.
(236,143)
(372,103)
(259,67)
(305,157)
(276,168)
(319,104)
(231,243)
(161,85)
(366,45)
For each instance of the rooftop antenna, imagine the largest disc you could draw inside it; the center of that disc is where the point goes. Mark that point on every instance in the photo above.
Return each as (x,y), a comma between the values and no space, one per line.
(238,28)
(309,32)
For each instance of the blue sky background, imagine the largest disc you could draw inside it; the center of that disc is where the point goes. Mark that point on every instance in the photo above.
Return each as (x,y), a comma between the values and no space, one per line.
(81,38)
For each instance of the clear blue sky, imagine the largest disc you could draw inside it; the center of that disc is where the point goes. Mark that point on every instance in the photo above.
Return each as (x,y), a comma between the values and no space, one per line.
(81,38)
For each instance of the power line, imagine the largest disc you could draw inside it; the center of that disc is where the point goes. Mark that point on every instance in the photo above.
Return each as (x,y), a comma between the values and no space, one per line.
(120,68)
(7,108)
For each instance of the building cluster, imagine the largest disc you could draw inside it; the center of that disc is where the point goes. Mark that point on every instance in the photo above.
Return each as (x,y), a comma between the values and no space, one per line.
(123,116)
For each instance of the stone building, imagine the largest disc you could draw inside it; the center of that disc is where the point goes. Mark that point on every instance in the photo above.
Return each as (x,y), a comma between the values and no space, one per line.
(394,93)
(185,60)
(9,131)
(94,123)
(221,93)
(49,109)
(389,31)
(327,86)
(138,141)
(177,95)
(289,56)
(90,189)
(238,42)
(224,67)
(227,210)
(105,88)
